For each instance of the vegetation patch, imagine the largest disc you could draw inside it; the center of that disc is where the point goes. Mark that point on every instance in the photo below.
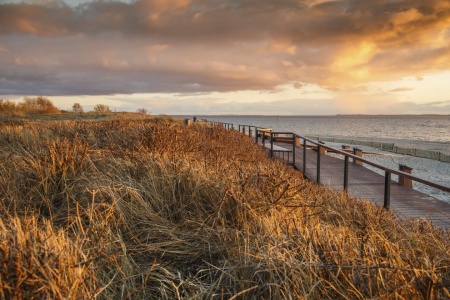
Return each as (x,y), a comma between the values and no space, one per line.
(153,209)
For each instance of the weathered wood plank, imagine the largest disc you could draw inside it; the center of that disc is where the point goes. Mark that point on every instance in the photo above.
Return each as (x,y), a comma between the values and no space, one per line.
(368,185)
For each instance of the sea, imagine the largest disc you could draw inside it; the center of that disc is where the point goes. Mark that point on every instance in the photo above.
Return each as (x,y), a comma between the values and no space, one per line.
(425,132)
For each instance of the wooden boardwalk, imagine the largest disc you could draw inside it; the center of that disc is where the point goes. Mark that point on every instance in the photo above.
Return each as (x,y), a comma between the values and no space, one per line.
(366,184)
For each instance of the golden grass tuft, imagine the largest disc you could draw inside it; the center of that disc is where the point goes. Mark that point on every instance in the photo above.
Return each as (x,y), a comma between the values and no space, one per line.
(152,209)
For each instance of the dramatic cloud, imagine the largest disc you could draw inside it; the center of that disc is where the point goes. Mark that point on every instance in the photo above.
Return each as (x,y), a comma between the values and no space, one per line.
(191,46)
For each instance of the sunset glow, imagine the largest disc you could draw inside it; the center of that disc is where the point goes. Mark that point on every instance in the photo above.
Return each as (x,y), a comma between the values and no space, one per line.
(230,57)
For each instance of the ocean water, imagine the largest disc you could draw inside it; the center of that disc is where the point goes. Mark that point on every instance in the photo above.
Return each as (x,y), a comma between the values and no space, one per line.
(418,132)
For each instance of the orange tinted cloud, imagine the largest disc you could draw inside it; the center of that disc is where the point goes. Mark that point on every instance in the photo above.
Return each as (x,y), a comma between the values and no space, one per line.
(203,46)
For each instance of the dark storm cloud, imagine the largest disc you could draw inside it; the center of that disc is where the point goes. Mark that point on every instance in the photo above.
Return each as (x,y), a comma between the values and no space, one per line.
(108,47)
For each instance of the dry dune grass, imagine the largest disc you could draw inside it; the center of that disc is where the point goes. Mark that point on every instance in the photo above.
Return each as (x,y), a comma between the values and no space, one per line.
(156,210)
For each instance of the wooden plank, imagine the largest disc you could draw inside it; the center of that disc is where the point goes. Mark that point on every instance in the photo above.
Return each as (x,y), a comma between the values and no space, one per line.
(366,184)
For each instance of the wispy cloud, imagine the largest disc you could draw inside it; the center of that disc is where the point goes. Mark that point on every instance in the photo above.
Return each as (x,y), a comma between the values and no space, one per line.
(401,89)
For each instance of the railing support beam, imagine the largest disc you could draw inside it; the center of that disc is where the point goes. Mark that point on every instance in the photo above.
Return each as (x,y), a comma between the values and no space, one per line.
(271,144)
(387,190)
(293,150)
(304,158)
(318,163)
(346,173)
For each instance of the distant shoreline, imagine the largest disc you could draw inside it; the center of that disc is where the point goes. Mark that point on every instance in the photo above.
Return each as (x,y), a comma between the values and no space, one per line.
(316,116)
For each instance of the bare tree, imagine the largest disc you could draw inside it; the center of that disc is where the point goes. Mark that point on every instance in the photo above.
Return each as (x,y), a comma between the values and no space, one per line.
(77,108)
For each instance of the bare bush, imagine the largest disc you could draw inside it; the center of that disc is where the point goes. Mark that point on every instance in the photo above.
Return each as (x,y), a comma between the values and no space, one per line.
(143,111)
(38,105)
(102,108)
(29,106)
(77,108)
(9,108)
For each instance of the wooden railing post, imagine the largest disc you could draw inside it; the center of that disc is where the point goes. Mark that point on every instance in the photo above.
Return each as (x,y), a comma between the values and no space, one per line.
(406,182)
(357,152)
(322,150)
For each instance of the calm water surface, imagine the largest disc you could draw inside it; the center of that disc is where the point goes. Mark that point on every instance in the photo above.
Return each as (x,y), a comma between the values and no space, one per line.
(421,132)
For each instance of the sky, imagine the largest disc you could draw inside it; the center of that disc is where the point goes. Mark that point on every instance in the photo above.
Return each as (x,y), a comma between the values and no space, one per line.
(282,57)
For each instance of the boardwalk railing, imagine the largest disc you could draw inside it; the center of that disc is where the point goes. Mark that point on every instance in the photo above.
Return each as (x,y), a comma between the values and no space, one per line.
(303,142)
(388,172)
(227,126)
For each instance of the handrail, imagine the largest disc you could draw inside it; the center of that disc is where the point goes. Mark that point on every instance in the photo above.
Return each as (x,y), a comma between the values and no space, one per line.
(392,171)
(347,155)
(388,171)
(283,132)
(227,126)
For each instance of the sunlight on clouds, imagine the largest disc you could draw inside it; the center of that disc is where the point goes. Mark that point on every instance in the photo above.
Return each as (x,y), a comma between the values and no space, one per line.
(354,56)
(316,2)
(287,63)
(409,95)
(158,8)
(405,17)
(221,66)
(26,26)
(352,104)
(347,55)
(441,38)
(432,88)
(377,98)
(277,47)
